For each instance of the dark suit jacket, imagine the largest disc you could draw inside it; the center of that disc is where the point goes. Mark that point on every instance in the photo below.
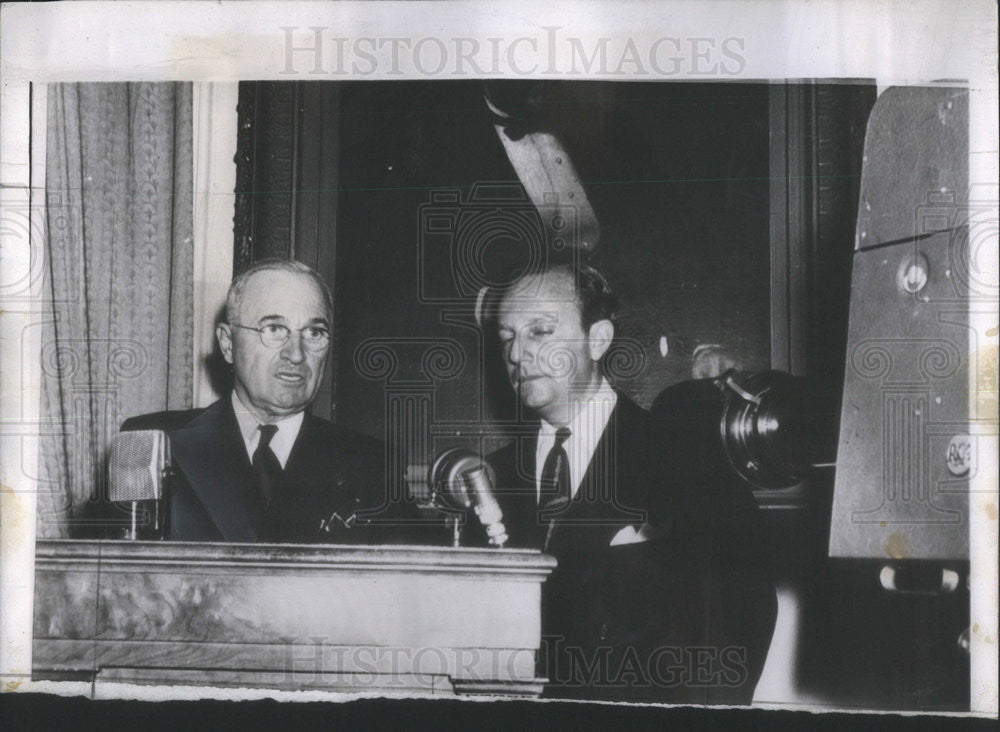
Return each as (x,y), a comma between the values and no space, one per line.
(661,620)
(330,471)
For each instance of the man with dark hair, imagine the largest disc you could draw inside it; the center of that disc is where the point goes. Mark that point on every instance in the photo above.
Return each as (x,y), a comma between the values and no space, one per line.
(639,607)
(255,465)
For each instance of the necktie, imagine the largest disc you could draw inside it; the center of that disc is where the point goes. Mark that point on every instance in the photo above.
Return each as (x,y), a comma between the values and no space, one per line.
(266,467)
(555,490)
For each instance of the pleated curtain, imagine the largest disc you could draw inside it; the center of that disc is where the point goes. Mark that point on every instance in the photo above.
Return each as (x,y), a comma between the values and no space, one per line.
(117,338)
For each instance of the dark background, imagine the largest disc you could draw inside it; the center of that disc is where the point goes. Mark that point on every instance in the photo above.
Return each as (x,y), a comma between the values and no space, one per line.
(678,176)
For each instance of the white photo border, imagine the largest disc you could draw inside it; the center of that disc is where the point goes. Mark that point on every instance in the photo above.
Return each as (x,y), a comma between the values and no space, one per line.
(894,43)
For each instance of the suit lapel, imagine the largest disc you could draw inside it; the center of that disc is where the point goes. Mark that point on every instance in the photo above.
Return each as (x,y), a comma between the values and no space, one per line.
(305,450)
(312,473)
(211,454)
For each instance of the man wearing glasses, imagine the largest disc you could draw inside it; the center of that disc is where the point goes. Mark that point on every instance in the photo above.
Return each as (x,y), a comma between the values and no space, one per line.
(255,465)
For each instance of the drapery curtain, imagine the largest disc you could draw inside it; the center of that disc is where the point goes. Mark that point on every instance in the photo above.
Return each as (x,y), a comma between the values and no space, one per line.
(118,280)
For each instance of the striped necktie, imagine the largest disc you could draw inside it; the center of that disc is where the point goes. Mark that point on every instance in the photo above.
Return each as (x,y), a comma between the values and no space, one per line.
(555,490)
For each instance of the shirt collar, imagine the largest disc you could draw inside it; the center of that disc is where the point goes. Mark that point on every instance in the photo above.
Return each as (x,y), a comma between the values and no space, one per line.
(593,414)
(283,440)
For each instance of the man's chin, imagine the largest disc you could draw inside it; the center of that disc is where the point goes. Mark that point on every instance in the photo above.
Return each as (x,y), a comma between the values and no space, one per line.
(290,401)
(533,397)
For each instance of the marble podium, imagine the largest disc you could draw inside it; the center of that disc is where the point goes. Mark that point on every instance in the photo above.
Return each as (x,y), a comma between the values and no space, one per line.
(379,619)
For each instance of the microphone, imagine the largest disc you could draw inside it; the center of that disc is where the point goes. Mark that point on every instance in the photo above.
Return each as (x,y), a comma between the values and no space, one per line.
(459,480)
(138,468)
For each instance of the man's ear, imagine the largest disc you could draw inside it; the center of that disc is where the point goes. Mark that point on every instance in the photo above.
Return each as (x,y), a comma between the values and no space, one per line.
(599,338)
(225,338)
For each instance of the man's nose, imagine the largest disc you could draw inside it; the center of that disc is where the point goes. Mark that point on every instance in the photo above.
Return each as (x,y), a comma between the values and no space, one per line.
(516,352)
(292,349)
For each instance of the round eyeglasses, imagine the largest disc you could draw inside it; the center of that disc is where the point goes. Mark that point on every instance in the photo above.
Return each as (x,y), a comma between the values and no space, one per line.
(275,335)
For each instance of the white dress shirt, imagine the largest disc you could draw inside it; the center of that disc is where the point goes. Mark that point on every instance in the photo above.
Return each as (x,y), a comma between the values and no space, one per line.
(283,440)
(585,429)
